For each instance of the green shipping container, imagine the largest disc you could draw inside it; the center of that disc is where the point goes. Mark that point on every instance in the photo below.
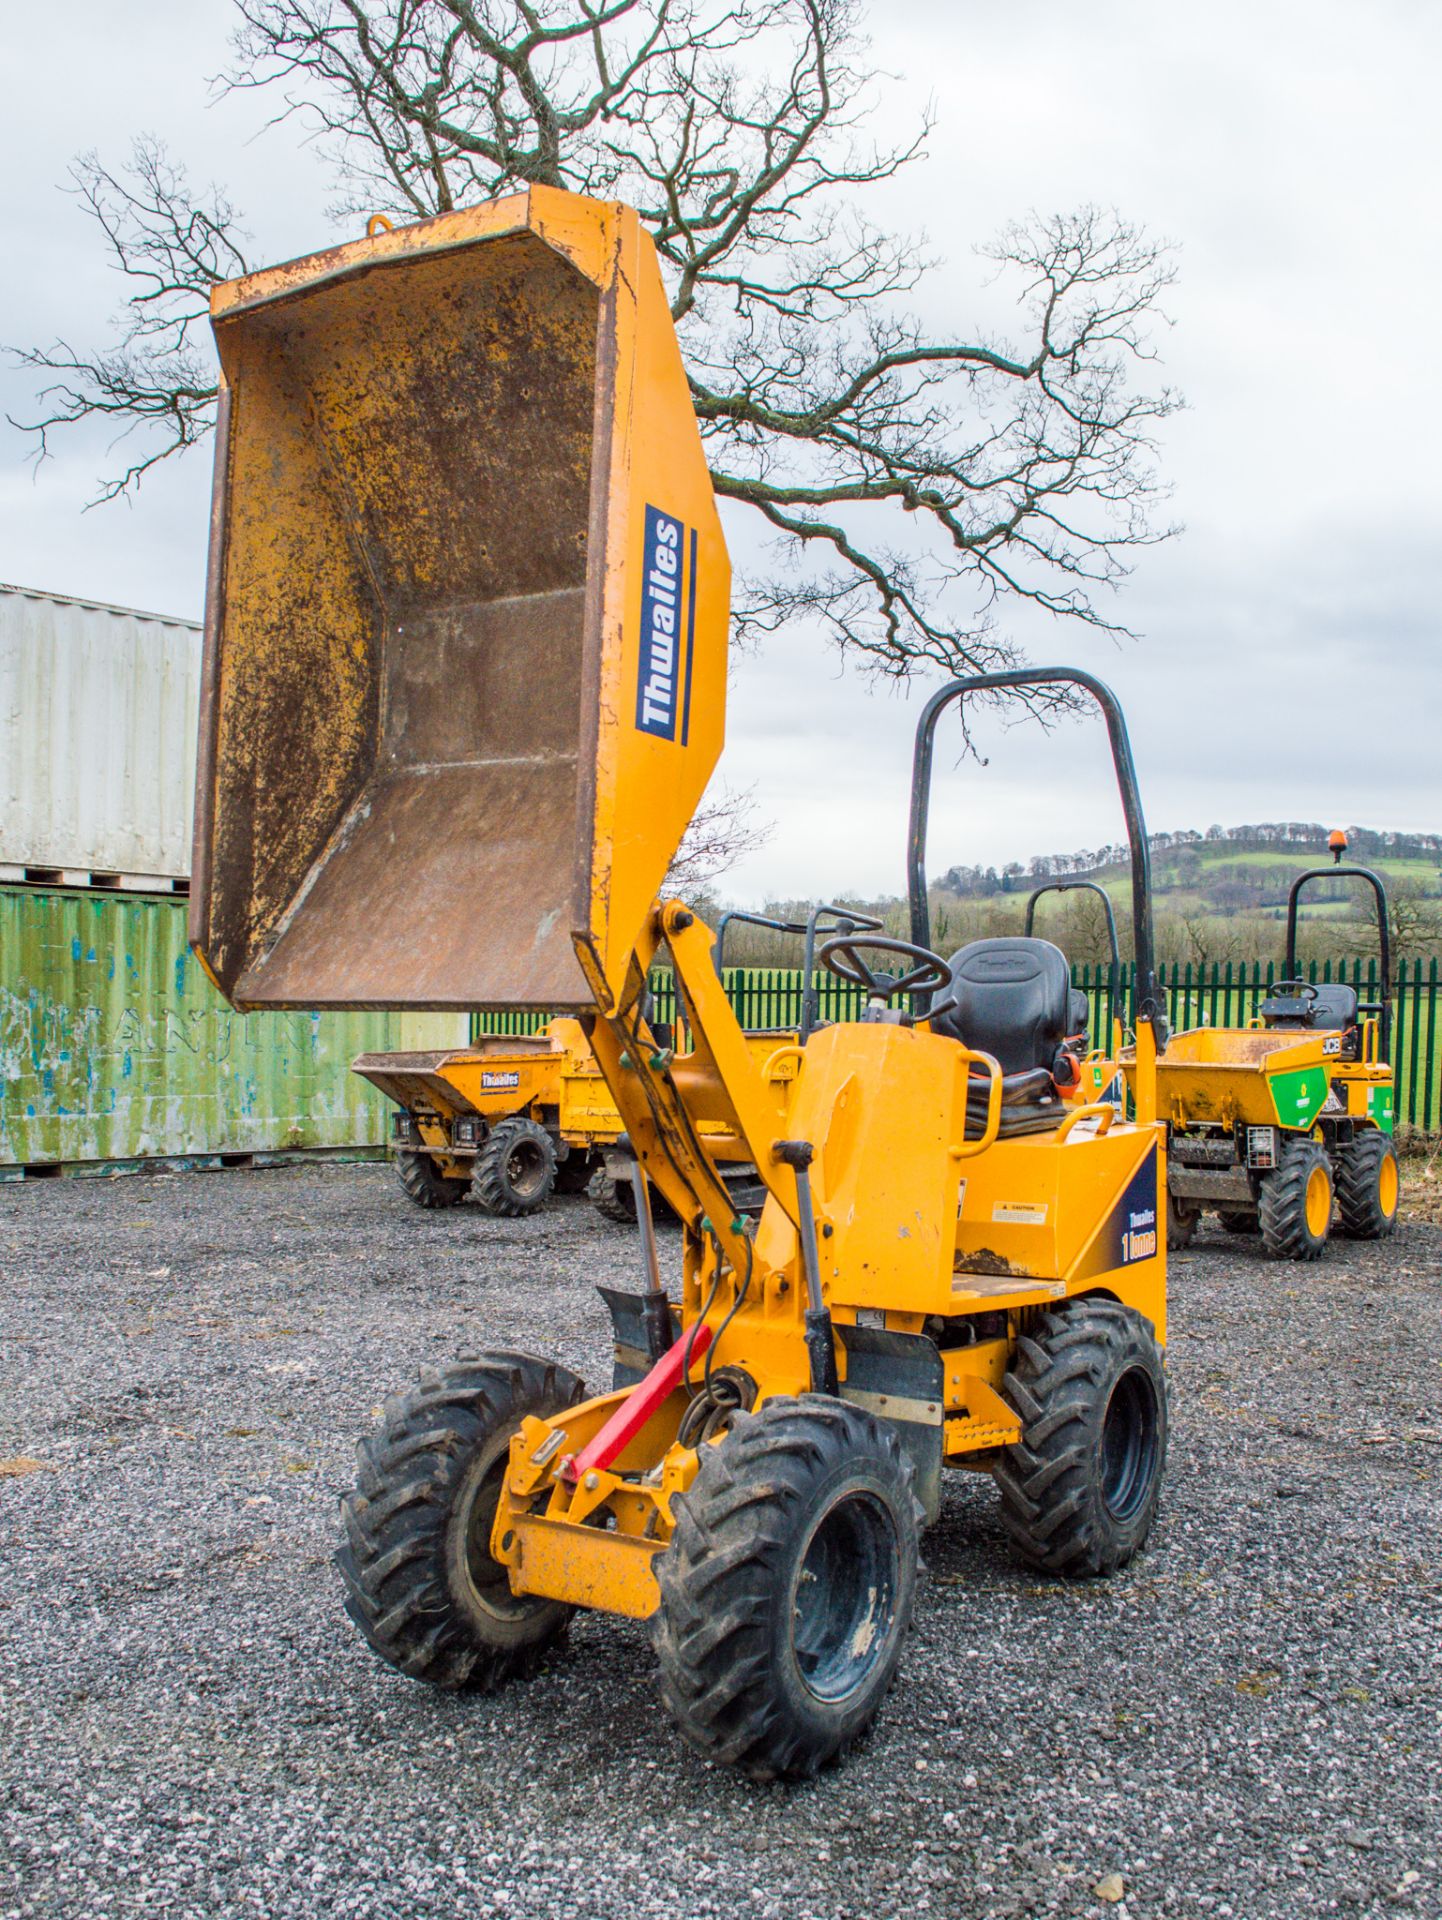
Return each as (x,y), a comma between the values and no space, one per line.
(114,1046)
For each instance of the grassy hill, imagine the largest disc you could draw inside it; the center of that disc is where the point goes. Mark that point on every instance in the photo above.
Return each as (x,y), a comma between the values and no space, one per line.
(1244,871)
(1217,896)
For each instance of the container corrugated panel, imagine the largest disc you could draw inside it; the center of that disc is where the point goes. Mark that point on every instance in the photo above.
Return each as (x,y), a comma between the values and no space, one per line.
(115,1046)
(98,713)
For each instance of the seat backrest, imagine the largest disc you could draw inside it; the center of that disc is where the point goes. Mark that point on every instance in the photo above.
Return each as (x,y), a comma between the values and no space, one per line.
(1013,1000)
(1335,1006)
(1328,1006)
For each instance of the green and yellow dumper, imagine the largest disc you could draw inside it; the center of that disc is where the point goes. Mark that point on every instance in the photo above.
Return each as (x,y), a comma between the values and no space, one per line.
(1284,1126)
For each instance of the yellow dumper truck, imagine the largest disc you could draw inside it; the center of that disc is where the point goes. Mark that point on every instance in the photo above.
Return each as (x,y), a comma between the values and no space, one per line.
(465,678)
(512,1119)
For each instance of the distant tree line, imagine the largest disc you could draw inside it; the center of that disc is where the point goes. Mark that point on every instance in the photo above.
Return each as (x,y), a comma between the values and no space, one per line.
(1208,910)
(1187,847)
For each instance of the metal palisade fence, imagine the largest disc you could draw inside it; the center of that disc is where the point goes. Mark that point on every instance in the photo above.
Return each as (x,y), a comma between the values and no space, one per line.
(1215,995)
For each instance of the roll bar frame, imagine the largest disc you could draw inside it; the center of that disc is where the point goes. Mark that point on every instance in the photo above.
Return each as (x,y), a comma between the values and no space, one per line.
(1114,964)
(1149,1004)
(1382,1007)
(843,920)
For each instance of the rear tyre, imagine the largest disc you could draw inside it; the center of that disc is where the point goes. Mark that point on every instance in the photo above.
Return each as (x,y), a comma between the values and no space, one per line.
(1239,1223)
(575,1172)
(787,1588)
(1295,1208)
(1079,1491)
(613,1199)
(426,1184)
(416,1562)
(1368,1186)
(516,1168)
(1181,1224)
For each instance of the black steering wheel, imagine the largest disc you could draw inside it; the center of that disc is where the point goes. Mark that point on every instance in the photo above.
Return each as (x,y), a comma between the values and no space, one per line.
(1301,990)
(840,956)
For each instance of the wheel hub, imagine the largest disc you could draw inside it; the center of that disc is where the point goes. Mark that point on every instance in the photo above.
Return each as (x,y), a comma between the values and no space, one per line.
(525,1168)
(1129,1444)
(488,1579)
(1319,1201)
(844,1599)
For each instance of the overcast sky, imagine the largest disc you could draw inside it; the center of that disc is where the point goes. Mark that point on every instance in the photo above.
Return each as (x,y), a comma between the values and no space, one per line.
(1289,665)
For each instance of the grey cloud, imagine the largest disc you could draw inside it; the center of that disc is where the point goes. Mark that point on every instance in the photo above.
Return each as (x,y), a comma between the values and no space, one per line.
(1291,660)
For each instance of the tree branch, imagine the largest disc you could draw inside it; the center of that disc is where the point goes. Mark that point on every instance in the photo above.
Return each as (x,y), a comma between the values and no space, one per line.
(911,486)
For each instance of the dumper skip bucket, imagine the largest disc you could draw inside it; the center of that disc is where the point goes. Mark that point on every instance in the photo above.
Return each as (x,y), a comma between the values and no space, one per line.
(465,655)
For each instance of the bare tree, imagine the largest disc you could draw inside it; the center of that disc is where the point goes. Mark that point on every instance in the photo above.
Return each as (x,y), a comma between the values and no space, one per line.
(724,829)
(911,482)
(1415,917)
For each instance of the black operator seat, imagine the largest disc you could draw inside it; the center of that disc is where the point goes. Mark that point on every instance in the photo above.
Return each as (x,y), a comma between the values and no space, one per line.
(1013,1000)
(1328,1006)
(1079,1016)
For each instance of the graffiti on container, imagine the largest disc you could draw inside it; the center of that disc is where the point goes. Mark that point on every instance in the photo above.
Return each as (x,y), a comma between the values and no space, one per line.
(114,1045)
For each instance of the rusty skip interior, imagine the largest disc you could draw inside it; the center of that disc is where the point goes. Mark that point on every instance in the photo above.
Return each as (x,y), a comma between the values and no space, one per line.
(400,571)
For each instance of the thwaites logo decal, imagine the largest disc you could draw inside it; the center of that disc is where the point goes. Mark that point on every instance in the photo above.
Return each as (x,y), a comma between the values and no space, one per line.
(494,1081)
(1131,1230)
(668,627)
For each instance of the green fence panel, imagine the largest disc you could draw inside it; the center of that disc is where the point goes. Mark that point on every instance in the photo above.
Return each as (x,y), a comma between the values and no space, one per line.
(114,1045)
(1212,994)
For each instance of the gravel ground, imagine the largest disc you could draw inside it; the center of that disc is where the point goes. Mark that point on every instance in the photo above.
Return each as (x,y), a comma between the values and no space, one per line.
(1245,1723)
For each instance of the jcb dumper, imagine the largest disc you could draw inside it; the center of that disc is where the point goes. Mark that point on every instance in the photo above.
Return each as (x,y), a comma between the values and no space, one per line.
(1284,1126)
(465,672)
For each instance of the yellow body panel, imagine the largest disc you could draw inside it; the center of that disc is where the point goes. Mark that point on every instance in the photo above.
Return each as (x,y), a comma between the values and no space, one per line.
(589,1115)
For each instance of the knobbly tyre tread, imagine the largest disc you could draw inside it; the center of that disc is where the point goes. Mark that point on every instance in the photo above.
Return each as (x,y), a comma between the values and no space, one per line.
(425,1186)
(1239,1223)
(492,1182)
(1181,1225)
(605,1196)
(575,1173)
(615,1200)
(1050,1481)
(1358,1169)
(393,1557)
(723,1575)
(1282,1206)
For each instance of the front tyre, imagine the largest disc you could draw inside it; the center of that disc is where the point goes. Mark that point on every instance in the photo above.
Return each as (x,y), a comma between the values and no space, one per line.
(416,1563)
(1181,1224)
(423,1182)
(1368,1186)
(787,1588)
(516,1168)
(1295,1208)
(614,1200)
(1079,1491)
